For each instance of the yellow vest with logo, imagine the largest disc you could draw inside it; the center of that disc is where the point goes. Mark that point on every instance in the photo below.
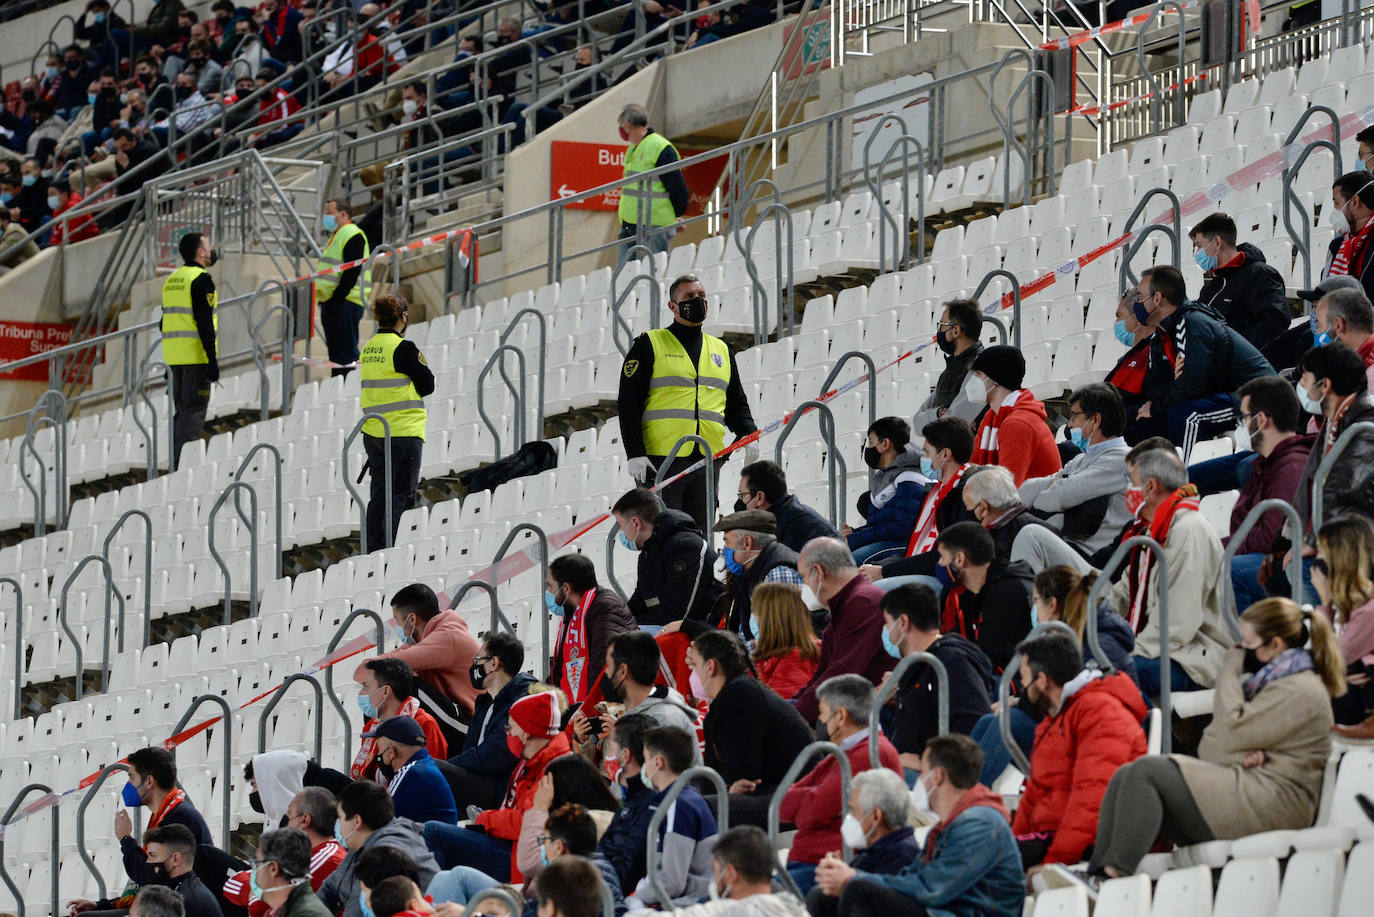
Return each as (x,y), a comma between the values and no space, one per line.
(180,340)
(684,398)
(334,256)
(388,392)
(641,158)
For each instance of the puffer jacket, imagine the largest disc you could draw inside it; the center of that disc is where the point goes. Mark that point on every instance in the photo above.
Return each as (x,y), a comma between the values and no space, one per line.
(891,506)
(1350,485)
(1248,292)
(1076,752)
(799,523)
(1215,359)
(814,803)
(788,674)
(504,823)
(1017,436)
(676,578)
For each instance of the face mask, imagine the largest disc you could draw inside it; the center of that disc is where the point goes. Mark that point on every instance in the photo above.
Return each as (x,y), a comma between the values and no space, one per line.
(648,781)
(402,634)
(368,708)
(1244,438)
(340,836)
(1142,315)
(872,457)
(1319,338)
(623,134)
(974,390)
(1035,615)
(692,311)
(28,181)
(731,564)
(551,603)
(946,346)
(920,795)
(477,675)
(330,222)
(612,690)
(50,72)
(253,885)
(810,599)
(255,802)
(362,904)
(543,856)
(1135,498)
(73,65)
(928,468)
(516,745)
(158,870)
(1309,404)
(625,542)
(5,197)
(892,649)
(130,795)
(740,506)
(754,626)
(123,98)
(1252,663)
(1077,438)
(99,18)
(695,686)
(90,98)
(53,202)
(1205,261)
(948,575)
(717,893)
(410,107)
(1336,219)
(853,833)
(1122,334)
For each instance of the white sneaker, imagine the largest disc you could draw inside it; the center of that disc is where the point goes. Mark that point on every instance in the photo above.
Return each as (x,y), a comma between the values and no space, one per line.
(1057,875)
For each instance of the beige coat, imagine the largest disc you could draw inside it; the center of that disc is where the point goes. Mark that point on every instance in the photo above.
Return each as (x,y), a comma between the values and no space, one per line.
(1290,721)
(1197,635)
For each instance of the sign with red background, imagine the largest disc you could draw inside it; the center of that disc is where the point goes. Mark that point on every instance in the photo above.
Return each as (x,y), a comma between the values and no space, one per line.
(19,340)
(577,167)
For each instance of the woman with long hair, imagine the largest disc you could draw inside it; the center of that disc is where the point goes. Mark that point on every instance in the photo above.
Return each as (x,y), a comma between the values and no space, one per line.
(1343,575)
(786,650)
(570,779)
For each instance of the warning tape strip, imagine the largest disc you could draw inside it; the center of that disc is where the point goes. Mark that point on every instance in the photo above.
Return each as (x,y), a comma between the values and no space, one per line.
(1087,35)
(1122,103)
(469,250)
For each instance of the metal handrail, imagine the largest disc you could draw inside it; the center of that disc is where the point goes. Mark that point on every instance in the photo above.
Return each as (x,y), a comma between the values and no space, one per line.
(40,493)
(496,616)
(1252,519)
(147,566)
(1303,242)
(610,562)
(276,699)
(18,644)
(835,467)
(234,487)
(226,729)
(1156,102)
(66,626)
(784,288)
(709,471)
(238,476)
(743,200)
(519,430)
(94,788)
(287,342)
(618,324)
(173,457)
(665,806)
(543,323)
(1004,695)
(543,575)
(387,535)
(329,670)
(1324,470)
(1174,233)
(793,774)
(1015,299)
(901,241)
(889,688)
(4,823)
(872,368)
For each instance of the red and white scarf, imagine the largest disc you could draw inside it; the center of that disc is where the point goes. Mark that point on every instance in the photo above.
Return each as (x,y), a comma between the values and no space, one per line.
(1141,560)
(986,451)
(367,751)
(927,523)
(173,799)
(1349,252)
(576,649)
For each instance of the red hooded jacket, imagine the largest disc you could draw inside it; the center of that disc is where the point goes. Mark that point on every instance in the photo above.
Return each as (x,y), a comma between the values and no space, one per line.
(788,674)
(1076,752)
(1017,437)
(524,780)
(815,806)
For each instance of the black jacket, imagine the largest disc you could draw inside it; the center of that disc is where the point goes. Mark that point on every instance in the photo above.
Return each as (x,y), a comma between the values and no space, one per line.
(1216,359)
(799,523)
(1005,529)
(484,750)
(951,510)
(742,587)
(1249,296)
(623,844)
(998,617)
(890,854)
(1349,487)
(136,859)
(972,687)
(199,900)
(607,617)
(676,577)
(752,734)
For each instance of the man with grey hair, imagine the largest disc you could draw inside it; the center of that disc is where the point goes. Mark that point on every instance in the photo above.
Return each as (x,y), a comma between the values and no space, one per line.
(814,803)
(1345,314)
(990,495)
(313,811)
(680,381)
(157,901)
(753,555)
(876,829)
(851,643)
(649,208)
(281,874)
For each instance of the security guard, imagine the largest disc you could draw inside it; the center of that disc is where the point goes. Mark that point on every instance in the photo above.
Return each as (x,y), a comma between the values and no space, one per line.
(662,199)
(190,324)
(340,296)
(675,381)
(395,377)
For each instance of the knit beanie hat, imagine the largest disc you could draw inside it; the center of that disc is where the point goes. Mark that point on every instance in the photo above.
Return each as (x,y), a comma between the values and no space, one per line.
(537,715)
(1002,364)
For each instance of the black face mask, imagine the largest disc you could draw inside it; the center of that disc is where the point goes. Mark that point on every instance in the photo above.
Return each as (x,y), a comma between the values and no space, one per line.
(692,310)
(477,675)
(739,506)
(1252,663)
(184,92)
(73,65)
(214,257)
(872,457)
(946,346)
(615,693)
(255,800)
(159,871)
(109,92)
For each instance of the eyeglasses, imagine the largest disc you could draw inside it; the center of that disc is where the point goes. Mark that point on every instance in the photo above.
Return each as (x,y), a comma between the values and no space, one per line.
(482,658)
(543,838)
(943,325)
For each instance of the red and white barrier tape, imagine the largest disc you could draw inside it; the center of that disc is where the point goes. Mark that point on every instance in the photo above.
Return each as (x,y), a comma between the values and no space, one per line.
(1122,103)
(1087,35)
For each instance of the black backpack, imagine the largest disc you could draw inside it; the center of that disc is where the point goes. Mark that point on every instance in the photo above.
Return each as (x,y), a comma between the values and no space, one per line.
(529,459)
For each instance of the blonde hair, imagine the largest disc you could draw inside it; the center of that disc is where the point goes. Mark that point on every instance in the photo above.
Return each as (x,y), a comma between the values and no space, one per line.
(1282,618)
(784,622)
(1347,546)
(1070,591)
(540,688)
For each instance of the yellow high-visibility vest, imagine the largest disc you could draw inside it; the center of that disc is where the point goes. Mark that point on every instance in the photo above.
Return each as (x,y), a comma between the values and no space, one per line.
(334,256)
(181,343)
(388,392)
(641,158)
(684,398)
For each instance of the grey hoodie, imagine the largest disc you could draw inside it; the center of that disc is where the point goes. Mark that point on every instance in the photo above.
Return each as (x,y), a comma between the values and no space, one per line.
(341,888)
(778,904)
(670,708)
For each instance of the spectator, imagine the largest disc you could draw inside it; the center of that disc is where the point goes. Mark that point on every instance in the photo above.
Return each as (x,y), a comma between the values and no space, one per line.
(440,648)
(533,735)
(659,201)
(383,867)
(192,110)
(1238,282)
(763,485)
(590,615)
(454,85)
(876,829)
(633,662)
(131,153)
(1013,432)
(398,896)
(340,296)
(814,803)
(893,500)
(1352,218)
(1270,403)
(367,820)
(1086,500)
(49,128)
(170,860)
(1131,372)
(911,624)
(157,901)
(70,91)
(210,75)
(1196,363)
(153,784)
(675,562)
(991,498)
(13,241)
(571,832)
(388,690)
(160,26)
(786,650)
(1348,317)
(313,811)
(957,334)
(592,86)
(30,203)
(1090,725)
(685,837)
(1259,765)
(1333,387)
(573,889)
(61,200)
(623,842)
(418,791)
(105,108)
(970,864)
(1343,575)
(569,781)
(742,862)
(275,778)
(753,556)
(851,642)
(752,735)
(276,112)
(283,875)
(710,26)
(987,599)
(479,774)
(249,53)
(281,30)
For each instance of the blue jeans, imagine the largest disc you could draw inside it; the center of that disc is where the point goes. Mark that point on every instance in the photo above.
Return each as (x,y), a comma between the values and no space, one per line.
(804,874)
(455,846)
(996,757)
(458,885)
(1230,472)
(657,241)
(862,554)
(1147,674)
(1245,580)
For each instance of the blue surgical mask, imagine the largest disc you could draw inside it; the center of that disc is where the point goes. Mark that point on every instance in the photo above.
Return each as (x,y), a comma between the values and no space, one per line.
(543,856)
(362,904)
(754,626)
(53,203)
(90,98)
(1077,438)
(1035,615)
(1205,261)
(130,795)
(625,542)
(340,836)
(365,704)
(50,71)
(253,885)
(1123,335)
(731,564)
(401,634)
(5,197)
(552,605)
(1319,338)
(1309,404)
(892,649)
(330,222)
(928,468)
(99,17)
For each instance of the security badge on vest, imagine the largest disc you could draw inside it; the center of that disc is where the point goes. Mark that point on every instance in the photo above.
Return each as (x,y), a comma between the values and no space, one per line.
(684,399)
(181,343)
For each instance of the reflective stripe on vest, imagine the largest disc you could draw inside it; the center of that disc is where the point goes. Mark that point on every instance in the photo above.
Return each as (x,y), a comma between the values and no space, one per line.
(680,404)
(659,206)
(387,392)
(334,256)
(181,344)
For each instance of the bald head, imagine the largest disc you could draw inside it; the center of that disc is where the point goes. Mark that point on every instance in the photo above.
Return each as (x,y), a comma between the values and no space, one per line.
(827,567)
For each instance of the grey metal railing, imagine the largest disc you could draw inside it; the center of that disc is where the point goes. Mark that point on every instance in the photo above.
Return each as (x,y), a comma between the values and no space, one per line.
(1302,241)
(18,643)
(276,491)
(520,412)
(835,464)
(387,534)
(794,772)
(834,374)
(86,798)
(275,699)
(1252,518)
(709,470)
(497,616)
(329,670)
(1174,233)
(288,340)
(77,645)
(542,323)
(19,797)
(226,729)
(1015,292)
(784,253)
(1004,696)
(152,464)
(235,487)
(665,806)
(540,611)
(147,566)
(893,683)
(901,244)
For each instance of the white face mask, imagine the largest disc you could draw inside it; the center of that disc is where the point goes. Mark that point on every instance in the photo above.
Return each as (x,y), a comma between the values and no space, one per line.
(920,797)
(717,893)
(809,599)
(410,107)
(1244,441)
(853,833)
(1338,222)
(974,390)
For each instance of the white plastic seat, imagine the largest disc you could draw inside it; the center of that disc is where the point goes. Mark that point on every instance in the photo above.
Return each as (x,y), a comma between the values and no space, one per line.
(1062,902)
(1183,891)
(1204,106)
(1311,883)
(1357,889)
(1241,95)
(1128,896)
